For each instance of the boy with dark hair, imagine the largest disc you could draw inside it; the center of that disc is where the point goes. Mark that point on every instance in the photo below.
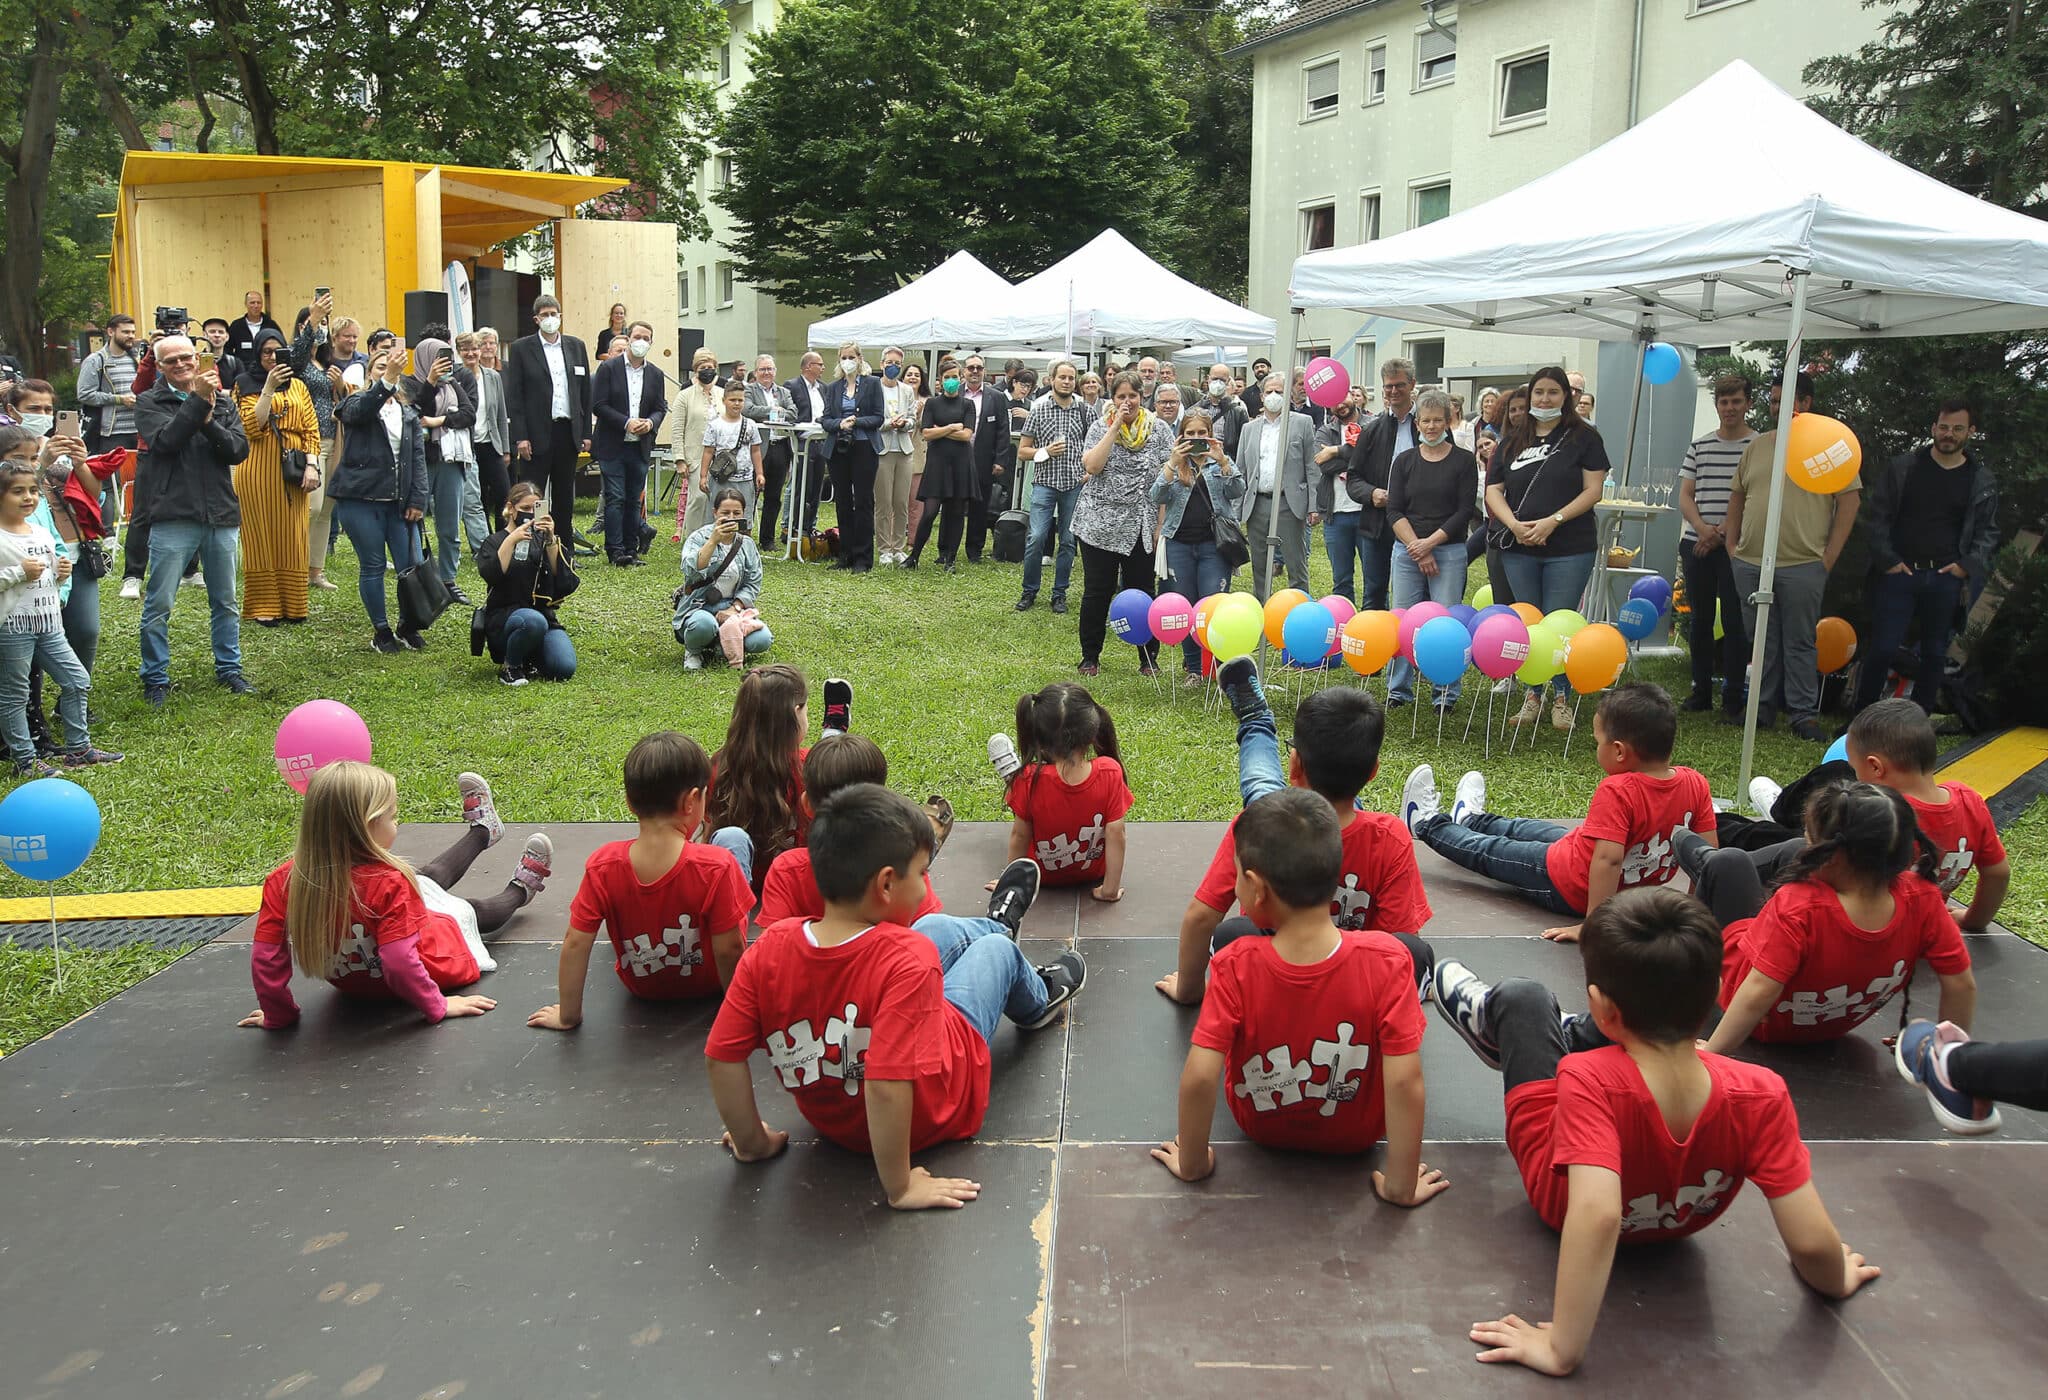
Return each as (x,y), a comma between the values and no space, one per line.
(1317,1030)
(660,896)
(1629,833)
(1892,744)
(790,889)
(881,1033)
(1335,753)
(1623,1131)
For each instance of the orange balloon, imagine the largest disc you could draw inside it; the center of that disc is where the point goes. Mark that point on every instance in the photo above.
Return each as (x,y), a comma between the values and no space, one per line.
(1598,652)
(1370,640)
(1277,608)
(1529,613)
(1822,455)
(1836,641)
(1203,611)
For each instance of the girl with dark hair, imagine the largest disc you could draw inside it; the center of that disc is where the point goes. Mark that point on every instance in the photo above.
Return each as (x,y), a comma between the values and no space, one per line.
(717,607)
(757,779)
(1851,914)
(1066,787)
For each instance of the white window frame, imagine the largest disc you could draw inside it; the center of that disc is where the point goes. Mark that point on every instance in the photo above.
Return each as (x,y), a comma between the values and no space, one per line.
(1336,99)
(1375,228)
(721,170)
(703,288)
(683,292)
(1376,46)
(1423,84)
(1417,187)
(726,284)
(721,64)
(1501,120)
(1307,208)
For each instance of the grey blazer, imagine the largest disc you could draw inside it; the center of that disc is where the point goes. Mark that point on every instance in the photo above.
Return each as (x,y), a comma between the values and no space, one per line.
(488,389)
(1292,481)
(757,405)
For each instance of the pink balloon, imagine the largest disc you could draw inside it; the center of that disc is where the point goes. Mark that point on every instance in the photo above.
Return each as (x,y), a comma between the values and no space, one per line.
(316,734)
(1171,618)
(1327,381)
(1500,645)
(1412,619)
(1341,610)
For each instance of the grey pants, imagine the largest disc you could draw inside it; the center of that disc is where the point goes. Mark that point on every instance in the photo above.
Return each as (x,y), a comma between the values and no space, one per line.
(1791,678)
(1293,551)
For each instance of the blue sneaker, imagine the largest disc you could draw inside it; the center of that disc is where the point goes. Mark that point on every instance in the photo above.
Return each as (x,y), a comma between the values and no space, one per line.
(1922,1051)
(1461,998)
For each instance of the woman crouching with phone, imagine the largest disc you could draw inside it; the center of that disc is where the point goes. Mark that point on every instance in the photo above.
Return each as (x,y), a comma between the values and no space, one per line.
(716,608)
(528,574)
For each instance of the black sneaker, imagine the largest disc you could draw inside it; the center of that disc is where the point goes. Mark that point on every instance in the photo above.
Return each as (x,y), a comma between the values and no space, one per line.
(1239,679)
(1064,977)
(1059,602)
(155,696)
(1016,890)
(1811,730)
(455,592)
(1699,702)
(237,684)
(838,705)
(382,641)
(507,675)
(411,640)
(1027,602)
(1461,997)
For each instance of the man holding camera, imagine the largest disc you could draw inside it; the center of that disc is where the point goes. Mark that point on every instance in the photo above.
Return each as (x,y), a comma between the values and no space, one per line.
(194,436)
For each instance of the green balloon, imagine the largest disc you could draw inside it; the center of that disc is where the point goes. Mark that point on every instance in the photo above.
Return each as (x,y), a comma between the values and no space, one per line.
(1546,654)
(1566,622)
(1235,627)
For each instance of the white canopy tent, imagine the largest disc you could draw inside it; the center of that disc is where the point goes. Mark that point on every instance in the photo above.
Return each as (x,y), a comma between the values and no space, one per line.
(1108,293)
(959,302)
(1629,242)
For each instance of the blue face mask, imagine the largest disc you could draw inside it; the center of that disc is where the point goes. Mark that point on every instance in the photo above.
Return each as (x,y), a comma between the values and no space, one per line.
(892,371)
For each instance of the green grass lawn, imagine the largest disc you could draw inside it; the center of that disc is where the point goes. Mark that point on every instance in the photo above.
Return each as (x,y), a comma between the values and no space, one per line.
(32,1005)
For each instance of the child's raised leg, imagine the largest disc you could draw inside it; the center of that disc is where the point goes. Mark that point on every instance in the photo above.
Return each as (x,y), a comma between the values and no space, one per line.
(1259,770)
(1729,882)
(536,863)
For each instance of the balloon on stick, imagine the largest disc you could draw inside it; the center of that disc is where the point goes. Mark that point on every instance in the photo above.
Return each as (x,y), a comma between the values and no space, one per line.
(1636,619)
(1529,613)
(1822,455)
(1546,652)
(1127,614)
(1443,649)
(1309,634)
(1369,641)
(1661,363)
(1326,381)
(1171,617)
(1835,640)
(1341,612)
(1483,599)
(1412,619)
(1277,608)
(1500,645)
(1838,752)
(47,828)
(1566,622)
(1203,611)
(1654,587)
(1598,654)
(1234,627)
(316,734)
(1464,613)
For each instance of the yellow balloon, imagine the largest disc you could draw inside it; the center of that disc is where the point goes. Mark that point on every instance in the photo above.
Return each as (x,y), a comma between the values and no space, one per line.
(1821,454)
(1546,655)
(1484,597)
(1234,626)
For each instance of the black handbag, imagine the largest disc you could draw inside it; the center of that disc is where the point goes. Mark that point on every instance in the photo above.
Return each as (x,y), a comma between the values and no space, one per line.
(422,594)
(294,463)
(1231,546)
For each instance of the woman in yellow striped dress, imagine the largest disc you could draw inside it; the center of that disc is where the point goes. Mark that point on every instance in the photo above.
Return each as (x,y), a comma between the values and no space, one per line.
(278,416)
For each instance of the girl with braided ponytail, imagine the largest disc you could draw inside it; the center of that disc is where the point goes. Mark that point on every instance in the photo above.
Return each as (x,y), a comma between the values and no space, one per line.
(1066,789)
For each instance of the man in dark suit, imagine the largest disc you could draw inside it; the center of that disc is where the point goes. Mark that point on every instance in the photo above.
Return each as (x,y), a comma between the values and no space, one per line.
(547,394)
(628,396)
(242,334)
(768,402)
(991,438)
(1365,466)
(807,394)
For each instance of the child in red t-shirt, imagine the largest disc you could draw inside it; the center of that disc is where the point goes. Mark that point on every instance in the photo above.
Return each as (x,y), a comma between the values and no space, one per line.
(1067,789)
(757,779)
(1336,752)
(881,1033)
(346,909)
(1623,1131)
(1892,744)
(1854,913)
(1627,839)
(790,890)
(1315,1030)
(662,897)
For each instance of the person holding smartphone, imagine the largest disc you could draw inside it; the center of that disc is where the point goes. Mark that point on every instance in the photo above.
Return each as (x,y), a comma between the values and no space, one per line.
(380,489)
(718,607)
(1197,483)
(527,573)
(273,483)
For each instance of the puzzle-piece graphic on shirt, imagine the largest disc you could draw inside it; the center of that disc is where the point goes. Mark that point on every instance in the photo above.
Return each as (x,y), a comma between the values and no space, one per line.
(1652,859)
(1650,1213)
(357,953)
(1059,853)
(1836,1003)
(1350,906)
(1954,866)
(851,1040)
(797,1055)
(1091,840)
(676,947)
(1273,1079)
(1345,1061)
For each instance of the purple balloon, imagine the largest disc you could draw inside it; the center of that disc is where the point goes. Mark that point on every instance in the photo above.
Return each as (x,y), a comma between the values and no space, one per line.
(1465,613)
(1130,616)
(1656,588)
(1494,610)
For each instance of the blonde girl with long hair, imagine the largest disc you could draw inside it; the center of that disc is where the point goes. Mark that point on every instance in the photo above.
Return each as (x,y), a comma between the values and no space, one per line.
(346,908)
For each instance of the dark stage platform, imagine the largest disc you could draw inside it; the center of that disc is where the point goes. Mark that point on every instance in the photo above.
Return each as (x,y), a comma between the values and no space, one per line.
(371,1207)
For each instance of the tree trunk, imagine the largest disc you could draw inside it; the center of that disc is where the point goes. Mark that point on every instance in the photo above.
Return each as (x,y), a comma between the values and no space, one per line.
(26,196)
(118,111)
(232,19)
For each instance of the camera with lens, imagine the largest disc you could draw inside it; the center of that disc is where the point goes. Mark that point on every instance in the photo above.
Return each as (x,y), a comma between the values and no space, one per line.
(172,318)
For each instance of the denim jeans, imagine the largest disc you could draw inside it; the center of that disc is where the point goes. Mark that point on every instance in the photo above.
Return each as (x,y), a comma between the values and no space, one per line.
(1259,770)
(172,544)
(1549,583)
(81,629)
(1194,571)
(447,481)
(476,526)
(1924,600)
(529,641)
(987,977)
(1050,504)
(1511,850)
(1344,542)
(1412,587)
(736,840)
(20,653)
(624,481)
(374,527)
(700,635)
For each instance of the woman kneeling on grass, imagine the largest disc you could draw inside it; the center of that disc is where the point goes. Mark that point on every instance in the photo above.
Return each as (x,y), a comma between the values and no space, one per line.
(528,574)
(346,909)
(716,608)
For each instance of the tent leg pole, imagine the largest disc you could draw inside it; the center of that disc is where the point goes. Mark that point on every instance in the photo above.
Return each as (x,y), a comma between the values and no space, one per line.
(1635,404)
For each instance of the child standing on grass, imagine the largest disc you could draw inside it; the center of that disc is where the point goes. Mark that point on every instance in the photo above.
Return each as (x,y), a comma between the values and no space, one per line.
(1627,839)
(757,779)
(879,1032)
(33,567)
(1067,789)
(1623,1131)
(1318,1032)
(663,897)
(1336,752)
(346,909)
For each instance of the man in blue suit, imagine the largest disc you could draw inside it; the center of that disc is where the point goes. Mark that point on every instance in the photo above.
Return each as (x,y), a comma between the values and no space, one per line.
(628,398)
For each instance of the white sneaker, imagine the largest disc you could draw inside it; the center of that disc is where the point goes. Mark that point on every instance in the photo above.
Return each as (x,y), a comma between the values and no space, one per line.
(1470,798)
(1419,800)
(1763,794)
(478,808)
(692,661)
(1003,754)
(1504,686)
(131,588)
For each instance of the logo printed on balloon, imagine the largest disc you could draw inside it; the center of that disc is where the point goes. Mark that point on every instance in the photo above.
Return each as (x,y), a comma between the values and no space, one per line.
(27,848)
(1825,461)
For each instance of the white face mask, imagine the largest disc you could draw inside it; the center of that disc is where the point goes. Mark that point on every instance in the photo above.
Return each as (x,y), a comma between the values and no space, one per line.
(1274,403)
(550,324)
(847,366)
(1545,415)
(1218,388)
(39,423)
(1434,439)
(637,349)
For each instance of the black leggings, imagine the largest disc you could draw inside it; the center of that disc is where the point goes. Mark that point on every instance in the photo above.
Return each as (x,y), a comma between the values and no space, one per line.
(1103,574)
(950,516)
(2015,1072)
(1532,1036)
(493,911)
(1238,926)
(1731,883)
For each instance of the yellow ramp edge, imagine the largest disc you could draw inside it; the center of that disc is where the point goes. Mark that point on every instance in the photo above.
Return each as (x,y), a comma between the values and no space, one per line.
(136,904)
(1998,764)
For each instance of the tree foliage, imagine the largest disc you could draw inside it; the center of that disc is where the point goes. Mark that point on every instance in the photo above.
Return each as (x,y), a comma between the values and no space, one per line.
(1215,146)
(873,141)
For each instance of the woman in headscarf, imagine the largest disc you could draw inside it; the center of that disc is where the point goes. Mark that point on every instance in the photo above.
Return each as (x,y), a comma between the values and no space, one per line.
(272,483)
(447,413)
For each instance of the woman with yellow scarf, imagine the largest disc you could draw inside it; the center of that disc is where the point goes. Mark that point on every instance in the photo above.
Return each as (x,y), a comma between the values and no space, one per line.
(1113,518)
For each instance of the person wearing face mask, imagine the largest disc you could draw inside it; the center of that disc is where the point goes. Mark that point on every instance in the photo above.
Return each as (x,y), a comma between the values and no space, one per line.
(1363,537)
(547,394)
(852,449)
(892,477)
(1116,521)
(447,414)
(1432,497)
(767,402)
(1274,455)
(696,404)
(629,400)
(948,485)
(1225,408)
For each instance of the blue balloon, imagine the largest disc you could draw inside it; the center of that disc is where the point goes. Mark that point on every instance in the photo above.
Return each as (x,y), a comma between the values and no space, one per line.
(1130,616)
(1492,610)
(48,828)
(1838,752)
(1465,613)
(1661,363)
(1656,588)
(1307,633)
(1443,649)
(1637,618)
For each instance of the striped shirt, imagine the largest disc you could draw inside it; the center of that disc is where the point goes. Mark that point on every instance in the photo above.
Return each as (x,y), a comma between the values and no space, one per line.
(1710,466)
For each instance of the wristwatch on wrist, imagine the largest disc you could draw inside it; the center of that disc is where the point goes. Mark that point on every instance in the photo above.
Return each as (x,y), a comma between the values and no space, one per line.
(1557,519)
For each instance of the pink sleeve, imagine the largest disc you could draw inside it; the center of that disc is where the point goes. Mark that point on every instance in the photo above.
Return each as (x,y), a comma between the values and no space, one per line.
(270,968)
(407,976)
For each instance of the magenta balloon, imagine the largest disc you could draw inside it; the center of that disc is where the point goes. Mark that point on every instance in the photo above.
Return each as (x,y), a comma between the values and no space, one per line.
(315,735)
(1500,645)
(1326,381)
(1172,618)
(1412,618)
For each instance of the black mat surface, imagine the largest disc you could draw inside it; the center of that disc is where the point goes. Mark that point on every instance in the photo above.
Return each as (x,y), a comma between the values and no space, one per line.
(102,934)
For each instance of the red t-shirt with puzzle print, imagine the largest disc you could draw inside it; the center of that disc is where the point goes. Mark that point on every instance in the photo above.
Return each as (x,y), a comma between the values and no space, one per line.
(661,932)
(1962,830)
(791,891)
(1639,813)
(1378,886)
(1069,820)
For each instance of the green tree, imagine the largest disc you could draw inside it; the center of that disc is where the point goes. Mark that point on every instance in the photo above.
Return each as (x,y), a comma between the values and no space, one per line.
(875,140)
(1215,146)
